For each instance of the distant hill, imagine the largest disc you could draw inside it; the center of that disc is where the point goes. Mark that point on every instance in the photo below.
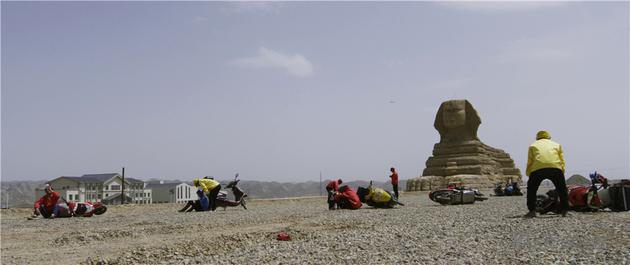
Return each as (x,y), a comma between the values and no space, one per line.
(263,189)
(578,180)
(21,194)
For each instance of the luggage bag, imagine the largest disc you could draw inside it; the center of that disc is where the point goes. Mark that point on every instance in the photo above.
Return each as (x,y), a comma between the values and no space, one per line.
(620,196)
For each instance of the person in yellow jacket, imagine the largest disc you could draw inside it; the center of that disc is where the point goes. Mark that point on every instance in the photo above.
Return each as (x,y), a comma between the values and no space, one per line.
(545,161)
(211,188)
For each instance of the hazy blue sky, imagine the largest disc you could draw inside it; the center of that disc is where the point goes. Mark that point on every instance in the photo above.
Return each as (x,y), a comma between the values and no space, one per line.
(279,91)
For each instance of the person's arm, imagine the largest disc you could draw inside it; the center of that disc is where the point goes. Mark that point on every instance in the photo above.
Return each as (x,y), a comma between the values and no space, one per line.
(530,160)
(336,196)
(55,197)
(204,185)
(561,156)
(38,202)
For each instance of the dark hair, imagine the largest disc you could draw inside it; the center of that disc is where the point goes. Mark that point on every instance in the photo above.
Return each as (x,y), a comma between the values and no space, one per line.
(339,181)
(392,169)
(361,192)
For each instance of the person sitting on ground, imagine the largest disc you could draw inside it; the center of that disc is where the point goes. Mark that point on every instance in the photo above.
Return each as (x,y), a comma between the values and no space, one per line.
(331,188)
(211,188)
(200,205)
(46,205)
(346,198)
(79,209)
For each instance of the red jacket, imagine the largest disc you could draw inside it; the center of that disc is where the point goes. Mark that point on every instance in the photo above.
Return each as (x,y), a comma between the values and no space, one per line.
(394,178)
(48,200)
(349,195)
(333,185)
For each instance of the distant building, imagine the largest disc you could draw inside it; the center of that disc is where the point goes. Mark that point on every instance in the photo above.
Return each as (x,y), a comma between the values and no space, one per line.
(105,188)
(177,192)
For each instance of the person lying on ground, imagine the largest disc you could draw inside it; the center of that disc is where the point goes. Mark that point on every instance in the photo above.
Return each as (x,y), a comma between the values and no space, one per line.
(200,205)
(346,198)
(79,209)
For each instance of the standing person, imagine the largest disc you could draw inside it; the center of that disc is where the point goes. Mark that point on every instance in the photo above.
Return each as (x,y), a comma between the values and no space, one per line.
(210,187)
(394,177)
(331,188)
(46,205)
(545,161)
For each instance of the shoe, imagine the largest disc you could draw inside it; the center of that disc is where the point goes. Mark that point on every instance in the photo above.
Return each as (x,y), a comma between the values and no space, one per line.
(565,213)
(530,214)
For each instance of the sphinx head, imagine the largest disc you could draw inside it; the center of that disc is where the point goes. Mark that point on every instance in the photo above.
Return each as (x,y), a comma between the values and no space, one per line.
(457,120)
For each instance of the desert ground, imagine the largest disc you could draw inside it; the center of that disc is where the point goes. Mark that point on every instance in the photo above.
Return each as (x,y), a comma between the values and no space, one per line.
(421,232)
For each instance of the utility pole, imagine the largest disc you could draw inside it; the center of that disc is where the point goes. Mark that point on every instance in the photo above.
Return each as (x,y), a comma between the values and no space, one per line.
(122,192)
(320,184)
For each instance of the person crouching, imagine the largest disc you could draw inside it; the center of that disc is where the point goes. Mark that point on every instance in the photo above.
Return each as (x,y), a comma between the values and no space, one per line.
(346,198)
(211,188)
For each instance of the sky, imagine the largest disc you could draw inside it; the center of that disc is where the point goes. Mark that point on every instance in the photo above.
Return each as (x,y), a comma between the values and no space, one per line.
(281,91)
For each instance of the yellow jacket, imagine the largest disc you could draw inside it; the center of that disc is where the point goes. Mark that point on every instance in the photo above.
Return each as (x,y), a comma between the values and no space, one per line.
(544,153)
(206,184)
(379,195)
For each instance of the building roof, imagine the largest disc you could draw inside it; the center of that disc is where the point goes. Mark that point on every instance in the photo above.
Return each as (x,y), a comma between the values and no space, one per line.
(98,177)
(132,180)
(163,185)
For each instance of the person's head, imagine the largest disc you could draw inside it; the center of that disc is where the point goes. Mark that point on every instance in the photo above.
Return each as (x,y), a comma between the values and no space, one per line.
(543,135)
(48,189)
(200,193)
(196,182)
(363,194)
(339,181)
(99,208)
(392,170)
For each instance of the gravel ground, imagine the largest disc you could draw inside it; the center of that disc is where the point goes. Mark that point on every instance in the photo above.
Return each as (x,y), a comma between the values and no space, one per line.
(422,232)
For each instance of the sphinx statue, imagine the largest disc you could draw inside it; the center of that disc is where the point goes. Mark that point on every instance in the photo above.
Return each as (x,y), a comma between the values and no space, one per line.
(460,158)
